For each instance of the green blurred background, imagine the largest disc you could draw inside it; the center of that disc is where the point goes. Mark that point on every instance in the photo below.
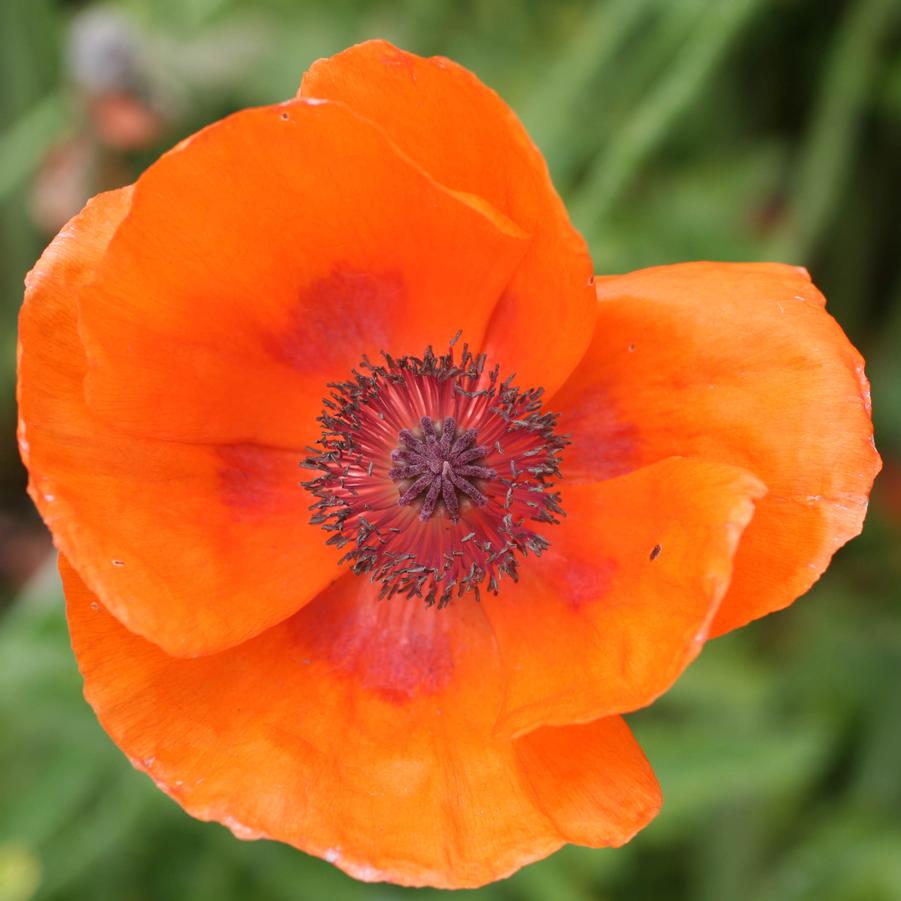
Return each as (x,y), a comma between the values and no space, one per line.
(675,129)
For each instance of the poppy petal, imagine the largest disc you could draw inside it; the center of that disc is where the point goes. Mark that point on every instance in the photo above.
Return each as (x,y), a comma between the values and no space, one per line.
(362,731)
(605,620)
(195,547)
(578,775)
(262,258)
(475,143)
(738,363)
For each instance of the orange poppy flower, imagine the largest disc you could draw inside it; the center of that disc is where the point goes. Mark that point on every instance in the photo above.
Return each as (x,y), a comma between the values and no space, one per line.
(444,706)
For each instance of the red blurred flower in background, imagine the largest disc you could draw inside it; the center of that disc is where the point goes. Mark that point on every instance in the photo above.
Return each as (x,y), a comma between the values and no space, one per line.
(710,448)
(117,111)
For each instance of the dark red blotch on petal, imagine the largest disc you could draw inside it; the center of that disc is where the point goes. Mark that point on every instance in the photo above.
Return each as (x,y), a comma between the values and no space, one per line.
(398,649)
(359,306)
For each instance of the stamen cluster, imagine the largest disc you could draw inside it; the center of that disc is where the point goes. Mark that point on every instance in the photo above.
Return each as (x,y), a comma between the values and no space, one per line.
(431,473)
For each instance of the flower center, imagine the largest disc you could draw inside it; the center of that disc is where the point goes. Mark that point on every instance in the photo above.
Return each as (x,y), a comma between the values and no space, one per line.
(440,466)
(433,473)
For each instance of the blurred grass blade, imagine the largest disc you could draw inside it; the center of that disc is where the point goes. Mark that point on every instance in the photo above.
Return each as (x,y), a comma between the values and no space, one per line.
(586,62)
(24,143)
(827,157)
(612,171)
